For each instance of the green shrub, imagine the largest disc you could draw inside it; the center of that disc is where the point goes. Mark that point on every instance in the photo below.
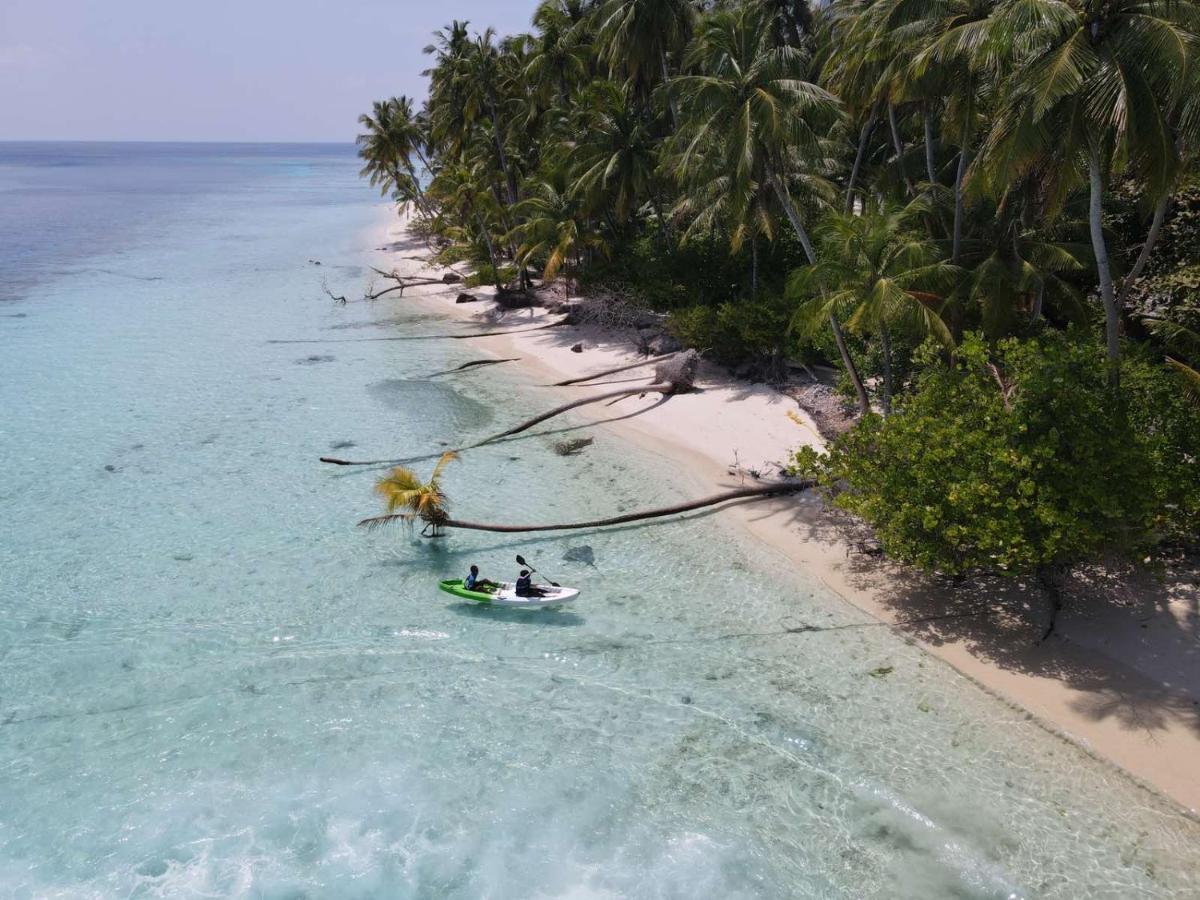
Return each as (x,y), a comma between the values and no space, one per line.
(1021,457)
(737,332)
(485,275)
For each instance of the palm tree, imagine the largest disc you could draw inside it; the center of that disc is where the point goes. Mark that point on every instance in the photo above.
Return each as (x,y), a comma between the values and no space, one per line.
(1098,85)
(752,110)
(635,38)
(403,489)
(393,136)
(559,56)
(878,271)
(616,156)
(553,228)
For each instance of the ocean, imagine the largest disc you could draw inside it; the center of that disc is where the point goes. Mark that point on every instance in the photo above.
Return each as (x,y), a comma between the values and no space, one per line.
(212,684)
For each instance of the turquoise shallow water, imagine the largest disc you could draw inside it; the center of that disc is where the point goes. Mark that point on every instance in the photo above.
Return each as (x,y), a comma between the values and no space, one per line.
(212,684)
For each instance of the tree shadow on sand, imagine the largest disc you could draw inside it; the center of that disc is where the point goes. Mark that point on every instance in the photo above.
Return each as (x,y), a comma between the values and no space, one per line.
(1128,640)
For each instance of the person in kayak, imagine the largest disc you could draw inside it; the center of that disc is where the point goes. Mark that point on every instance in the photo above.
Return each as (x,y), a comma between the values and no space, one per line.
(474,583)
(524,586)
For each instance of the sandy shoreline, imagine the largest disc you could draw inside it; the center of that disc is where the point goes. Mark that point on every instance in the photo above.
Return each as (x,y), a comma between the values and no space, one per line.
(1122,676)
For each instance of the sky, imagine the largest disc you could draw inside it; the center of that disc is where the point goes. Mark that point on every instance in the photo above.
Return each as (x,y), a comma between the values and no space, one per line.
(217,70)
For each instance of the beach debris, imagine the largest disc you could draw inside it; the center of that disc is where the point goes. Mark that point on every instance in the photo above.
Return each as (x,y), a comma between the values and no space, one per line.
(466,298)
(577,348)
(336,298)
(581,554)
(572,446)
(882,671)
(625,368)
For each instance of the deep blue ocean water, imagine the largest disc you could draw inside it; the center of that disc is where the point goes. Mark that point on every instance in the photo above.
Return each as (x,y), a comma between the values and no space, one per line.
(212,684)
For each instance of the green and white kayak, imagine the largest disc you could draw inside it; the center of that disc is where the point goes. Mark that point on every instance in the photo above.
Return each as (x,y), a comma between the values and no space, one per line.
(505,594)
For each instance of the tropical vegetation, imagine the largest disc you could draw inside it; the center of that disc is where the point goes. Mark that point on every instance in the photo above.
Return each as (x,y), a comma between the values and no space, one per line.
(982,215)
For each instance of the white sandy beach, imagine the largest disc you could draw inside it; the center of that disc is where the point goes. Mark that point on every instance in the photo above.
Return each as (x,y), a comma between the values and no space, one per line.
(1121,677)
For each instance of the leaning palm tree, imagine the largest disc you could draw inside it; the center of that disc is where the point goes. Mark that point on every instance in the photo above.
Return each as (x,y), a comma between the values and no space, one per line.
(881,274)
(393,136)
(403,489)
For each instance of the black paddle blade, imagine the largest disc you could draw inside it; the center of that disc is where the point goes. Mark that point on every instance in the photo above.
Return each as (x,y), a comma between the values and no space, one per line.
(521,560)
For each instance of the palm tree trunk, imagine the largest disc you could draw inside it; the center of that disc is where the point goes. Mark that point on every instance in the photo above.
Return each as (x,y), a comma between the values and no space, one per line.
(930,168)
(666,77)
(885,340)
(1112,317)
(502,157)
(959,176)
(839,338)
(663,389)
(793,215)
(898,146)
(863,137)
(491,248)
(614,371)
(664,222)
(1039,300)
(771,490)
(1160,213)
(754,268)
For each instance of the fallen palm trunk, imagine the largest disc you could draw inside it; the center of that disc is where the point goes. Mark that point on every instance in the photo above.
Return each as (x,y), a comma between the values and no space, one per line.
(471,365)
(421,337)
(614,371)
(758,491)
(773,490)
(674,376)
(665,390)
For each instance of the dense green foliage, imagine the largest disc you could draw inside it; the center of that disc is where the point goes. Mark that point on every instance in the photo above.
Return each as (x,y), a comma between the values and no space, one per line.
(843,184)
(1023,456)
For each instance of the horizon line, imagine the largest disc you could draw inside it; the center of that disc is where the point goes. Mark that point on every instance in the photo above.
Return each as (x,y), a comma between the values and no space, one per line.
(164,141)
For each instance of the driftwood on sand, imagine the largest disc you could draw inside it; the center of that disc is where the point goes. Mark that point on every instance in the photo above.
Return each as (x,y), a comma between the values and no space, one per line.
(406,281)
(743,493)
(673,376)
(614,371)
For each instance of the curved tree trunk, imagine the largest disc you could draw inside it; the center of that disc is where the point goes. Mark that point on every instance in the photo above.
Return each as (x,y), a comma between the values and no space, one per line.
(839,338)
(863,137)
(1160,213)
(664,389)
(773,490)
